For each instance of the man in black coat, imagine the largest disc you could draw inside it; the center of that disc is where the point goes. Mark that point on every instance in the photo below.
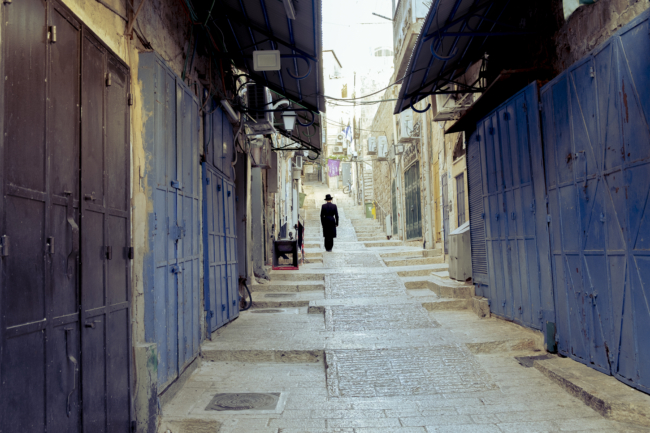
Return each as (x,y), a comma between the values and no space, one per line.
(329,218)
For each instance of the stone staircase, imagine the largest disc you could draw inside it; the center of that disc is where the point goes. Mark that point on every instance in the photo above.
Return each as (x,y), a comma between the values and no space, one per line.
(419,269)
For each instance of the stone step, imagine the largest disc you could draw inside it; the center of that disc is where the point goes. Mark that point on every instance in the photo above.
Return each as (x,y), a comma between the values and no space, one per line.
(362,238)
(286,300)
(296,276)
(441,274)
(284,286)
(444,288)
(416,254)
(447,304)
(313,245)
(211,353)
(380,244)
(421,271)
(313,255)
(433,253)
(413,261)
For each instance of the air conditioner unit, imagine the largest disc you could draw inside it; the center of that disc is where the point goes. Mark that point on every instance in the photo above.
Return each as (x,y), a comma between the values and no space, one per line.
(337,149)
(372,146)
(406,127)
(297,162)
(451,107)
(382,148)
(259,98)
(340,138)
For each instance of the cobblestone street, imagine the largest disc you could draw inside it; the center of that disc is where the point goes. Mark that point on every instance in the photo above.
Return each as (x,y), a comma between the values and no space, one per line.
(361,344)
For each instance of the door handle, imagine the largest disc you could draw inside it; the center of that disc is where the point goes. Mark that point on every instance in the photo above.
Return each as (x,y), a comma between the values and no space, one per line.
(91,324)
(74,233)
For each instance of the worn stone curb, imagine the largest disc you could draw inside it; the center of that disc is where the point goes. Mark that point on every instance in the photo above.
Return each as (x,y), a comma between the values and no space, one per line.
(605,394)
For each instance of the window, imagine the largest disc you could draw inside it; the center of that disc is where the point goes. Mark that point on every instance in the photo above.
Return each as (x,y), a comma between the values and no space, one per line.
(460,198)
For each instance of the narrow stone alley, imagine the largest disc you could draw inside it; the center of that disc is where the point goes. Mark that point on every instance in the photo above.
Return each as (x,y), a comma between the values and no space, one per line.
(372,337)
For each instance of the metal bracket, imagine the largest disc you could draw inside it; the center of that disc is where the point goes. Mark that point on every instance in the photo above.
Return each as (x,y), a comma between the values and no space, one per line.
(4,246)
(548,218)
(176,184)
(50,245)
(7,2)
(109,252)
(109,79)
(176,269)
(52,34)
(532,207)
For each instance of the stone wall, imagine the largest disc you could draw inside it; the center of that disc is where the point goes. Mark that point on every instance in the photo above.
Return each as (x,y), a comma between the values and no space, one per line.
(590,26)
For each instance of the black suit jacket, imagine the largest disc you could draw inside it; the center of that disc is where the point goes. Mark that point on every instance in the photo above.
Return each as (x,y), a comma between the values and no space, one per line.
(329,219)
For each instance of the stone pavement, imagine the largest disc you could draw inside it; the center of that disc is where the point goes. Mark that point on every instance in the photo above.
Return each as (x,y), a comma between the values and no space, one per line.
(368,355)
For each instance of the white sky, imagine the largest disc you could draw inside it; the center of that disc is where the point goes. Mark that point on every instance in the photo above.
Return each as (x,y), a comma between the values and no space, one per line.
(347,29)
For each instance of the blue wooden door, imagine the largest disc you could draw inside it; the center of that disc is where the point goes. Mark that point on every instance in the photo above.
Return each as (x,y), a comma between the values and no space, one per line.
(597,136)
(171,268)
(215,278)
(220,283)
(515,233)
(231,249)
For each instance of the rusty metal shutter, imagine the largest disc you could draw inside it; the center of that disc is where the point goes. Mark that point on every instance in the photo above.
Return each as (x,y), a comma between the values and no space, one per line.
(476,213)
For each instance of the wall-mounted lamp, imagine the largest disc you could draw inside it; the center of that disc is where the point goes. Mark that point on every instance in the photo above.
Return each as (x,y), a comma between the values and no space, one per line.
(266,60)
(289,118)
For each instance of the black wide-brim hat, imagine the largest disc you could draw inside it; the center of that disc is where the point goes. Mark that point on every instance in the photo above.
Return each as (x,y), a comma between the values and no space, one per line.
(328,197)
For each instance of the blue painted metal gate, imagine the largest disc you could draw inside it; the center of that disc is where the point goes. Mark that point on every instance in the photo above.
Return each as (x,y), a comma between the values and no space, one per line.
(171,267)
(221,274)
(513,190)
(596,130)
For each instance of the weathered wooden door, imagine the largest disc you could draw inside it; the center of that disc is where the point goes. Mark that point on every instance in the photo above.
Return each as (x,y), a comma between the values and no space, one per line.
(65,286)
(436,202)
(413,208)
(172,262)
(445,212)
(596,124)
(221,277)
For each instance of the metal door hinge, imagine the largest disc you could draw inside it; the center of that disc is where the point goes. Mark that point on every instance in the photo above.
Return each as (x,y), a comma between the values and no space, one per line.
(548,218)
(109,252)
(131,253)
(176,184)
(134,426)
(4,246)
(176,269)
(50,245)
(223,307)
(541,314)
(532,206)
(52,34)
(109,79)
(130,99)
(592,73)
(207,181)
(540,106)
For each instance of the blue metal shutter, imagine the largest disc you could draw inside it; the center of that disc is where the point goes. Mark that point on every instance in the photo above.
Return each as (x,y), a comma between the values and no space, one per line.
(171,267)
(517,249)
(597,134)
